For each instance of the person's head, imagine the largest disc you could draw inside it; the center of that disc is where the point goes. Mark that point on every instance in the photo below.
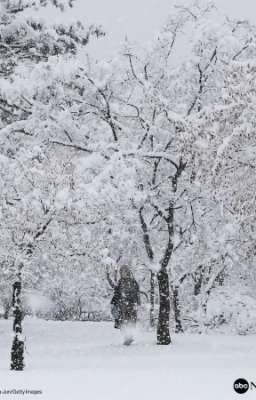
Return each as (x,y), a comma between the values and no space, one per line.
(125,272)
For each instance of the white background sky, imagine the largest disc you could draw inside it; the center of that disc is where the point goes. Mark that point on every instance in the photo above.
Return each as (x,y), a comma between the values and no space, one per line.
(141,19)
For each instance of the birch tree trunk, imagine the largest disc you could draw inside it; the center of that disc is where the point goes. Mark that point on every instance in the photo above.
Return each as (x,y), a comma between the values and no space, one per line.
(17,351)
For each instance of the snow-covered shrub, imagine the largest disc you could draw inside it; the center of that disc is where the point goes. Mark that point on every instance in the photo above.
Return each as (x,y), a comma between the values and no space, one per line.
(232,311)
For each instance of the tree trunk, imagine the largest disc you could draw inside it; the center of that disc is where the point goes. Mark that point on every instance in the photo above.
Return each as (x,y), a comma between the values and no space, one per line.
(163,333)
(17,352)
(152,299)
(176,306)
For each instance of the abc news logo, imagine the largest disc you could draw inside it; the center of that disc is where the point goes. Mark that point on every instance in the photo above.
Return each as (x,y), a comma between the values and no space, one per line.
(242,385)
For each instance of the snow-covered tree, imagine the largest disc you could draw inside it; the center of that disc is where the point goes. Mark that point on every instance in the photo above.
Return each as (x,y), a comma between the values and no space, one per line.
(146,159)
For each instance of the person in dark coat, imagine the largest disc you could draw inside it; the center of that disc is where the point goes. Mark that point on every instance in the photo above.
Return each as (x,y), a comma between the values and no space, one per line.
(126,299)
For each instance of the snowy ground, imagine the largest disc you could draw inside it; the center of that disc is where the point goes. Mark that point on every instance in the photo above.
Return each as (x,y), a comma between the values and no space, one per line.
(85,360)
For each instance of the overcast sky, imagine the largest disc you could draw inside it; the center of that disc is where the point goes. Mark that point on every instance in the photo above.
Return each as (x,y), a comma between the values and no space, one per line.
(141,19)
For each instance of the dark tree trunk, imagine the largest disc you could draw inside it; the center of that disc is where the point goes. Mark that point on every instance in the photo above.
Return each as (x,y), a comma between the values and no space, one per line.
(176,306)
(152,299)
(17,352)
(163,332)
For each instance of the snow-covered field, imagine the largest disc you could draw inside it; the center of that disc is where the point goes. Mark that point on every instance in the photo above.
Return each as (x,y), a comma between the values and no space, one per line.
(85,360)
